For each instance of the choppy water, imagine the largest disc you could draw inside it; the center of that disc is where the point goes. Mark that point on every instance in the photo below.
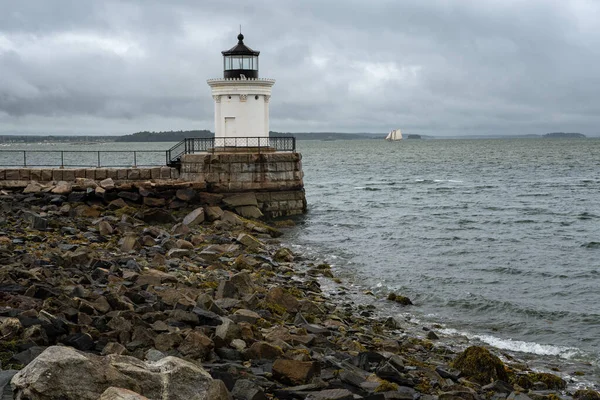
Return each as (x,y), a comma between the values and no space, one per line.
(498,239)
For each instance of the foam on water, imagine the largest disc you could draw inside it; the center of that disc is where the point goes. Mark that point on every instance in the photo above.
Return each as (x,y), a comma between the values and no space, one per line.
(518,345)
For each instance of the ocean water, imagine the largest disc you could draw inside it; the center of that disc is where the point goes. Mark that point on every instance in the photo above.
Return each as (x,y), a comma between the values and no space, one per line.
(498,240)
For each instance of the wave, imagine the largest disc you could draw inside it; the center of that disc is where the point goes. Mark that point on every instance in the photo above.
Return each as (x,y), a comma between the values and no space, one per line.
(519,345)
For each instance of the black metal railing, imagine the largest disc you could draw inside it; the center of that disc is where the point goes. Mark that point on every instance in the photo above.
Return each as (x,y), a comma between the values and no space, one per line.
(81,158)
(212,145)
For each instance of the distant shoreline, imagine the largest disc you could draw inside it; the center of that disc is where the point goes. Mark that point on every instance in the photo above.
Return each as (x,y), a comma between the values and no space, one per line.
(176,136)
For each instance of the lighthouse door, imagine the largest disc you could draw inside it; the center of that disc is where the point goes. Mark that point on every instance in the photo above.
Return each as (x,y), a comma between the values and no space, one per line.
(230,127)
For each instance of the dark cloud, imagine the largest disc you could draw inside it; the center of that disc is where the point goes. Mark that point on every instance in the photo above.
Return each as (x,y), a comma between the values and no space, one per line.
(430,67)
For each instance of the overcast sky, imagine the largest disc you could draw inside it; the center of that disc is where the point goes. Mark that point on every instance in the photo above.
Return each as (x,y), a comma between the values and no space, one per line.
(435,67)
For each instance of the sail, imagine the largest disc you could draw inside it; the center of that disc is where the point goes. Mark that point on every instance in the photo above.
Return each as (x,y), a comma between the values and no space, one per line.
(395,134)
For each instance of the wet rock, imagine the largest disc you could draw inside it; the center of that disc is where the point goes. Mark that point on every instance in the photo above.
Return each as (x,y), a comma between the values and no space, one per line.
(84,376)
(403,300)
(480,365)
(586,394)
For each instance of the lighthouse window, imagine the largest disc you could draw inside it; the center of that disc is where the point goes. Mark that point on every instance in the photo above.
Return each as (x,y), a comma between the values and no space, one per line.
(256,97)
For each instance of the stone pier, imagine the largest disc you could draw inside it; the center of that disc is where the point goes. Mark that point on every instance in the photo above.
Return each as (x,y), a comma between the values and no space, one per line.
(272,182)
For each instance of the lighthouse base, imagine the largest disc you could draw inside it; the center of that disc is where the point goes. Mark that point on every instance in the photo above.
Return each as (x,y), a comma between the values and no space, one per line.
(275,178)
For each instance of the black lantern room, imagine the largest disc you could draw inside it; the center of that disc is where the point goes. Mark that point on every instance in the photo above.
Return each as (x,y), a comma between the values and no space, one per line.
(240,61)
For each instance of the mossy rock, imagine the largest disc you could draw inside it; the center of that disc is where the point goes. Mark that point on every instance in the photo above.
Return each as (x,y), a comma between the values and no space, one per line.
(586,394)
(386,386)
(527,381)
(405,301)
(480,365)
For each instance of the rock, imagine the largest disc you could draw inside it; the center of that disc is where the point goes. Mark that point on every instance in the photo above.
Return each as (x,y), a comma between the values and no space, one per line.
(528,381)
(245,389)
(157,215)
(104,228)
(295,372)
(283,255)
(263,351)
(403,300)
(38,223)
(249,212)
(283,299)
(117,204)
(184,244)
(331,394)
(243,315)
(135,197)
(196,345)
(249,241)
(243,199)
(194,218)
(586,394)
(100,191)
(33,187)
(185,194)
(62,187)
(107,184)
(5,389)
(213,213)
(65,373)
(227,331)
(130,242)
(154,202)
(231,218)
(180,229)
(479,365)
(113,393)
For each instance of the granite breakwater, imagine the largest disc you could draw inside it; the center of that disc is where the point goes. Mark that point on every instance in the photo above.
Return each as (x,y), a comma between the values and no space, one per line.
(110,297)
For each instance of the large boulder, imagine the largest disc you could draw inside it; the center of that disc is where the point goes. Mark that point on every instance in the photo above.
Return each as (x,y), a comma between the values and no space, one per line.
(479,365)
(68,374)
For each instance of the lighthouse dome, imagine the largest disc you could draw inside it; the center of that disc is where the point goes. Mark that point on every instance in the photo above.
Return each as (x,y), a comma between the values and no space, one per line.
(240,61)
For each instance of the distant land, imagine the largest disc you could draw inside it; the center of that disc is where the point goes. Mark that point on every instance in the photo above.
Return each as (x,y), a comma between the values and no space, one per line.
(176,136)
(554,135)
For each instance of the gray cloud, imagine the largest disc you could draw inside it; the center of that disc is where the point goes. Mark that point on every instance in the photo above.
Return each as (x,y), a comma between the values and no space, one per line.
(430,67)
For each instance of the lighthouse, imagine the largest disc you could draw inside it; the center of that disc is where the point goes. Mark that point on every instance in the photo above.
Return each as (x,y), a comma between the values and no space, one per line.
(241,99)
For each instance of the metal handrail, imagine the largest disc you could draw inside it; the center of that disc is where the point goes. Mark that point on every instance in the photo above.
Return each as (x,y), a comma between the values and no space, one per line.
(215,144)
(97,161)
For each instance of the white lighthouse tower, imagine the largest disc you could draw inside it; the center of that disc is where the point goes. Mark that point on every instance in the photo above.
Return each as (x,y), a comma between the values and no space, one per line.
(241,99)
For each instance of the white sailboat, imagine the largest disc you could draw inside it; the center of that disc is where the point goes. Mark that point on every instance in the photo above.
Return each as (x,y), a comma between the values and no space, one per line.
(395,134)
